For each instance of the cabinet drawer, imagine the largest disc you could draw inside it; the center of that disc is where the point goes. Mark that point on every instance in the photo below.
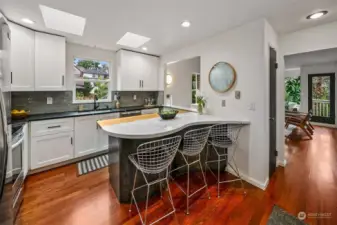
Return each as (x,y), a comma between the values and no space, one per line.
(45,127)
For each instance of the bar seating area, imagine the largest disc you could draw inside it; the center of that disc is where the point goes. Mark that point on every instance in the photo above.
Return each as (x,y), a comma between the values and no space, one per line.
(154,159)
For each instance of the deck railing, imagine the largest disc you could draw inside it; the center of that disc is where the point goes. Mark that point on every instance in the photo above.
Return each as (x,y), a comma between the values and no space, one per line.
(321,107)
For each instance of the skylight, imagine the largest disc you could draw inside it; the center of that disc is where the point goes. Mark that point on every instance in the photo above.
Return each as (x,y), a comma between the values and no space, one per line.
(62,21)
(133,40)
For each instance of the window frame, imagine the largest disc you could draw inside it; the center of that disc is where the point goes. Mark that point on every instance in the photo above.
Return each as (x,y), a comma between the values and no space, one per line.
(108,81)
(197,88)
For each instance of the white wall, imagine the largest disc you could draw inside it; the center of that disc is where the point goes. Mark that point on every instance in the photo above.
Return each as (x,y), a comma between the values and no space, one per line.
(293,72)
(314,69)
(81,51)
(311,39)
(244,47)
(180,89)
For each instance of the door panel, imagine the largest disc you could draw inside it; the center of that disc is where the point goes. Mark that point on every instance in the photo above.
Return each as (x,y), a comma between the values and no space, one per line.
(272,111)
(321,98)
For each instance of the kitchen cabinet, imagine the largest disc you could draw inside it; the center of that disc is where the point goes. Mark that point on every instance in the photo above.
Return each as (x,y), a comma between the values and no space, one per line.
(103,137)
(150,73)
(50,62)
(51,149)
(85,135)
(22,58)
(137,71)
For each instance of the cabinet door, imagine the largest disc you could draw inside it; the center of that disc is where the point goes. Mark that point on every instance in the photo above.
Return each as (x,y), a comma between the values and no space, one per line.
(5,57)
(150,73)
(86,130)
(103,137)
(50,62)
(51,149)
(130,71)
(22,58)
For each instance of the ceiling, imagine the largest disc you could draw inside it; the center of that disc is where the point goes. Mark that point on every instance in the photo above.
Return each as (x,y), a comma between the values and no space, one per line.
(310,58)
(109,20)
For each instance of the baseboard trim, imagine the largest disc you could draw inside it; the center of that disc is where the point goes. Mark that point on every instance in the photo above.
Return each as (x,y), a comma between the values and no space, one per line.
(324,125)
(250,180)
(281,163)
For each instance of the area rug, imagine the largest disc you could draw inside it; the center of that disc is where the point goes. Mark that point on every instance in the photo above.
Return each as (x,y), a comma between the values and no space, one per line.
(93,164)
(280,217)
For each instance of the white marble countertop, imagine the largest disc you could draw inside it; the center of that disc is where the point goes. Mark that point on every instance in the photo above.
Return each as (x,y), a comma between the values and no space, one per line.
(156,127)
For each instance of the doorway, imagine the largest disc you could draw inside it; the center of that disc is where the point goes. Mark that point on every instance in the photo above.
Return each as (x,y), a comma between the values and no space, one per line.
(272,111)
(321,97)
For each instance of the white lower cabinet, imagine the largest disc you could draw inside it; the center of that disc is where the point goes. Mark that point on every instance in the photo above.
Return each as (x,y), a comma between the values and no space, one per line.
(103,137)
(85,135)
(51,149)
(58,140)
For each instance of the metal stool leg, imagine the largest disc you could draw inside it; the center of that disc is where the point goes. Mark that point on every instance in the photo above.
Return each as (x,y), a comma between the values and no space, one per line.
(134,184)
(188,190)
(203,175)
(218,181)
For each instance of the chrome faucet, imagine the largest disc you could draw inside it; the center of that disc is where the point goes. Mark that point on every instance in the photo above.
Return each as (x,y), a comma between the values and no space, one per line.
(96,105)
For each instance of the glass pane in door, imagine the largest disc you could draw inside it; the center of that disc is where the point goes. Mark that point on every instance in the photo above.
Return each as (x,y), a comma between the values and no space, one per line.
(321,98)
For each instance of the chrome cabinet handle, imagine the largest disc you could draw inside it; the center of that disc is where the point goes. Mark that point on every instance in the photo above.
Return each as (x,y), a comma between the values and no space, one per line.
(52,127)
(71,140)
(62,80)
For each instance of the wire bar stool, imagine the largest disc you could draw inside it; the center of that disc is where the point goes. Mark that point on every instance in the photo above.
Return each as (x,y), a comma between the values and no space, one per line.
(222,137)
(193,144)
(154,158)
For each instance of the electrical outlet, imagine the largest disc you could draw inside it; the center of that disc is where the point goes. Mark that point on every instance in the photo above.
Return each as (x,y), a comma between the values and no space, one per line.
(251,106)
(135,97)
(49,100)
(223,103)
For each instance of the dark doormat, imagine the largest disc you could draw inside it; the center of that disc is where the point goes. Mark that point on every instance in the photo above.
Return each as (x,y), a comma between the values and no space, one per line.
(280,217)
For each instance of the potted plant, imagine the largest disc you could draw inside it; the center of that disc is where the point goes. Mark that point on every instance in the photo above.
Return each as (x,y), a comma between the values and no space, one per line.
(201,101)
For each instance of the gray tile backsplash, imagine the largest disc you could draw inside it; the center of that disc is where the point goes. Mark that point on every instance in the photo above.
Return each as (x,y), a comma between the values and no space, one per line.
(36,102)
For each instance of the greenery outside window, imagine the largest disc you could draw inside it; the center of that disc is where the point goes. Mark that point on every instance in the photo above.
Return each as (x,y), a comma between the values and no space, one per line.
(195,87)
(92,78)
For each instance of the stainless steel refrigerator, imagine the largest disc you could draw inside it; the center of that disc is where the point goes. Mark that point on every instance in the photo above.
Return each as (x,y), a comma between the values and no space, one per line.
(6,191)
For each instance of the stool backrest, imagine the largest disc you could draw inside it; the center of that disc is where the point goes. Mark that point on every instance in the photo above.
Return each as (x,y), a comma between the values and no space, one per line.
(225,134)
(195,140)
(155,156)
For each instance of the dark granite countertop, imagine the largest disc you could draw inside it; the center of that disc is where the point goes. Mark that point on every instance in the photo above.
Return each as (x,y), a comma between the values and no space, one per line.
(48,116)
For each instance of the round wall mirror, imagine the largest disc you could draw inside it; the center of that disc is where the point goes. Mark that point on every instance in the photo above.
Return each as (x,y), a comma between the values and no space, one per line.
(222,77)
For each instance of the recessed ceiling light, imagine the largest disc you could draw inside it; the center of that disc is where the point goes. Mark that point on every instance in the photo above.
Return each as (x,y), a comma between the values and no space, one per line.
(144,48)
(186,23)
(133,40)
(317,15)
(26,20)
(62,21)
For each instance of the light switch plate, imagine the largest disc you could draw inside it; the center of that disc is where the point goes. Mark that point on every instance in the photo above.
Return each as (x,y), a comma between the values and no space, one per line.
(49,100)
(237,94)
(223,103)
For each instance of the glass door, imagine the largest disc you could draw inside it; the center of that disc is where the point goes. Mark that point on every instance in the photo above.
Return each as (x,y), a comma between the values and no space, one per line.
(322,97)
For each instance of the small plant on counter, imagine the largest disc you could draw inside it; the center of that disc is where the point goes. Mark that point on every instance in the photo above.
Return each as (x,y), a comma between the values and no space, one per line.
(201,101)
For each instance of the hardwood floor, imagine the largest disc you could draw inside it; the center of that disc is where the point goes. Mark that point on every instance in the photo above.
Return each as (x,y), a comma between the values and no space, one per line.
(308,183)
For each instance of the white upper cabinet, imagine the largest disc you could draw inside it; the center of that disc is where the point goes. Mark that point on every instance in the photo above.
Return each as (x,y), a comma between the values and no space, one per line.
(150,73)
(136,71)
(22,58)
(50,62)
